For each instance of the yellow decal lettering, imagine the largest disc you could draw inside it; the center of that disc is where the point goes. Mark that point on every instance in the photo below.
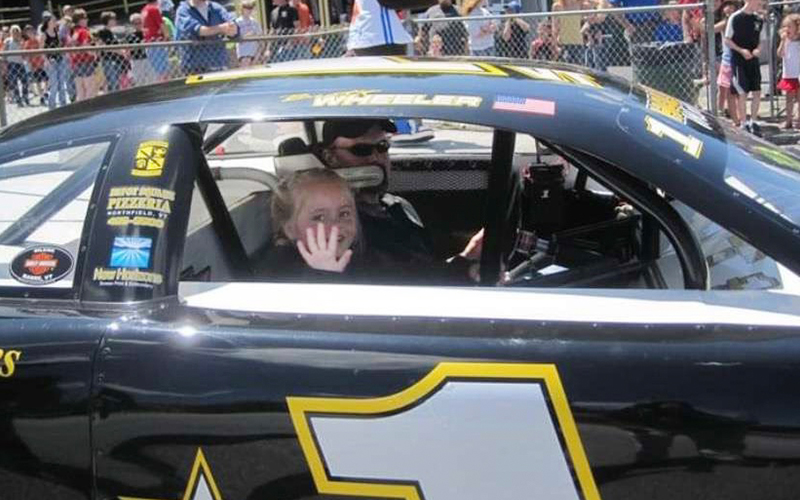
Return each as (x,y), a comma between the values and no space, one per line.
(558,76)
(9,362)
(691,145)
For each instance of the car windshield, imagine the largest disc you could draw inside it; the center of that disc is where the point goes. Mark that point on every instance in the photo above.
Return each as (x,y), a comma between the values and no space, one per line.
(775,187)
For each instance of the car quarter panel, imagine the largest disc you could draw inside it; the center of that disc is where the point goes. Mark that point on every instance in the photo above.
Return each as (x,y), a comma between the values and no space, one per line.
(45,402)
(661,411)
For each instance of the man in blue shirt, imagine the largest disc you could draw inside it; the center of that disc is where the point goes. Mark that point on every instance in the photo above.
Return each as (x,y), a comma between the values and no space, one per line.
(204,20)
(638,26)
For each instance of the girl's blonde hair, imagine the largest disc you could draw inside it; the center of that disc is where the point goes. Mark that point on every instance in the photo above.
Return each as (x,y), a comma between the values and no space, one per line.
(791,18)
(287,194)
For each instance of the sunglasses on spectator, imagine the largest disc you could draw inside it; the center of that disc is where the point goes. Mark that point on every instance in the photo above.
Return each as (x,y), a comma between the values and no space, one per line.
(364,149)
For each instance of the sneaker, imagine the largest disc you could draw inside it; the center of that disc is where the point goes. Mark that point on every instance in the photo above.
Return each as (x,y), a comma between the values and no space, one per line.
(755,129)
(411,132)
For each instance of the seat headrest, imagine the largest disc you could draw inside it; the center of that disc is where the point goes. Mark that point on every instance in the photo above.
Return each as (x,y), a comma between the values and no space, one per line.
(293,146)
(295,156)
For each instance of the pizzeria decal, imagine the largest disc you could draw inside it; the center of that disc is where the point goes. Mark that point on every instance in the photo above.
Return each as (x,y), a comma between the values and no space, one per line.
(139,206)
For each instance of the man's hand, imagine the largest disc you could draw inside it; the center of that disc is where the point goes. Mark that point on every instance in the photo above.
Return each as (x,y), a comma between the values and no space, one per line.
(756,52)
(474,248)
(746,54)
(229,29)
(320,253)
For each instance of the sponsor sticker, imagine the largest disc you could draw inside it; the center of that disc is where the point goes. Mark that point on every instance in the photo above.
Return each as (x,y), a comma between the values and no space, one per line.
(130,252)
(374,98)
(150,157)
(666,105)
(524,105)
(143,206)
(128,263)
(8,362)
(41,265)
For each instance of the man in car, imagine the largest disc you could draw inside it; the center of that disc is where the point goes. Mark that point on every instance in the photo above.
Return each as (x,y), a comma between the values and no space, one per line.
(392,229)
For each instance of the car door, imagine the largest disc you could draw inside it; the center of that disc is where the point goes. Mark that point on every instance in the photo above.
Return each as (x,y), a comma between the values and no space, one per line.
(269,390)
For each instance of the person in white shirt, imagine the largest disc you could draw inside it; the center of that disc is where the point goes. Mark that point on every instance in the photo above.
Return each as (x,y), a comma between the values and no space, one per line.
(481,31)
(376,30)
(247,52)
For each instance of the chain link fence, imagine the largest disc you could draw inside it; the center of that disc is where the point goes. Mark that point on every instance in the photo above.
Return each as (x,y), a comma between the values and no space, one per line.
(642,44)
(37,80)
(646,45)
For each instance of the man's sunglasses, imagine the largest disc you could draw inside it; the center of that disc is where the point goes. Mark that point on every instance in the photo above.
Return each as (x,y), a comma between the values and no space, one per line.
(364,150)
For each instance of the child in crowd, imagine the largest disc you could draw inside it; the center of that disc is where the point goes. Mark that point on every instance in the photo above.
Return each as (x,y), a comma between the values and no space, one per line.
(789,52)
(544,46)
(726,100)
(17,74)
(435,47)
(247,52)
(315,214)
(743,37)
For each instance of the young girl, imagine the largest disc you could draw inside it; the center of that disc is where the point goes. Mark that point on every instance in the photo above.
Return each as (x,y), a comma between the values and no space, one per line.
(435,47)
(789,51)
(315,214)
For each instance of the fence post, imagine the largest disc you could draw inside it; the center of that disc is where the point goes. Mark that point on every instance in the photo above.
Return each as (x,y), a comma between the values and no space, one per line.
(3,117)
(711,54)
(772,18)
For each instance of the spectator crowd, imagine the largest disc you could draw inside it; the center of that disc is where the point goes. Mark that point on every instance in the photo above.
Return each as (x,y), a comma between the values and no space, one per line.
(585,34)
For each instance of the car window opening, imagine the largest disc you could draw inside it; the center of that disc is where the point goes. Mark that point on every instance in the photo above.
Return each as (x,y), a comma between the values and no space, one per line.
(548,221)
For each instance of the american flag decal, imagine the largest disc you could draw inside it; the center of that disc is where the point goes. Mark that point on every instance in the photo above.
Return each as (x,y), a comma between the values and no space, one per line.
(524,105)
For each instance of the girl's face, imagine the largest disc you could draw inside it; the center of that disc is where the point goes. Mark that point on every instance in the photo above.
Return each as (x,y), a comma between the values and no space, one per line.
(326,202)
(791,30)
(52,23)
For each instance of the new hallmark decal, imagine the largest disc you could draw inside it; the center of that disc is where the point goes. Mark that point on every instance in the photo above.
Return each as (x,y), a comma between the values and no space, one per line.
(129,251)
(41,265)
(374,98)
(139,206)
(150,157)
(8,362)
(129,255)
(201,484)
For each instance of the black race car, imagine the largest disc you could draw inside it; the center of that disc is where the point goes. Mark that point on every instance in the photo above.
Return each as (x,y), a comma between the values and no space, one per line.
(631,330)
